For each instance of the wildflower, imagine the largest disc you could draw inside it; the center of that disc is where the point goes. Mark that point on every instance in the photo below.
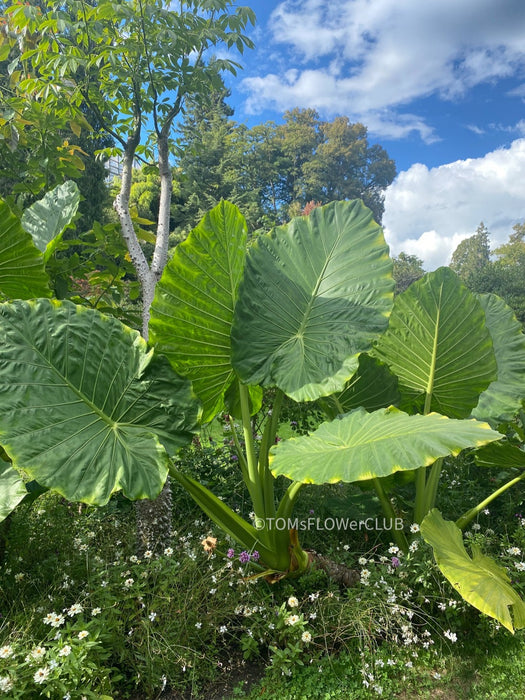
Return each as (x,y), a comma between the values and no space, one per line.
(306,637)
(362,561)
(168,551)
(520,565)
(19,577)
(393,549)
(6,684)
(514,551)
(230,553)
(244,557)
(198,625)
(152,616)
(213,591)
(41,675)
(6,651)
(414,546)
(293,602)
(476,526)
(134,559)
(96,611)
(395,562)
(129,582)
(65,651)
(292,619)
(255,555)
(414,528)
(148,554)
(38,652)
(486,511)
(83,634)
(223,629)
(75,609)
(209,544)
(451,635)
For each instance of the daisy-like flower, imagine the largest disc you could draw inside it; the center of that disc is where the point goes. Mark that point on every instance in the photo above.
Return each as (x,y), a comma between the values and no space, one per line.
(223,629)
(451,635)
(293,602)
(306,637)
(65,651)
(414,528)
(148,554)
(41,675)
(6,651)
(520,565)
(6,684)
(38,653)
(362,561)
(209,544)
(134,559)
(393,549)
(96,611)
(75,609)
(292,620)
(514,551)
(129,582)
(83,634)
(168,552)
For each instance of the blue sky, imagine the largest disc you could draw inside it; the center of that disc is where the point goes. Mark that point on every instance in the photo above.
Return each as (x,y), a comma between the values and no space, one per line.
(439,83)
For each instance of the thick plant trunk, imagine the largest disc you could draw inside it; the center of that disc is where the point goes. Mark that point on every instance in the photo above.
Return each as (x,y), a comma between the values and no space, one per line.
(153,522)
(341,574)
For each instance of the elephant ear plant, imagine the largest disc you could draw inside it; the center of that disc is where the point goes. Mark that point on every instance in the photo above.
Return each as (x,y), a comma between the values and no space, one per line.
(88,408)
(454,355)
(294,311)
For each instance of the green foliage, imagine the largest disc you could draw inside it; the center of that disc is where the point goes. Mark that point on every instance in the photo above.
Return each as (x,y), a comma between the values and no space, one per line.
(407,269)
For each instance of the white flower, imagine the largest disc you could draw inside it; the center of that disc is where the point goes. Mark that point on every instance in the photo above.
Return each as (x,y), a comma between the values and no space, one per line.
(520,565)
(362,561)
(152,616)
(514,551)
(75,609)
(476,526)
(414,528)
(96,611)
(41,675)
(134,559)
(83,634)
(129,582)
(223,629)
(213,591)
(451,635)
(198,625)
(292,619)
(393,549)
(65,651)
(6,684)
(6,651)
(38,652)
(148,554)
(413,547)
(168,551)
(19,577)
(306,637)
(293,602)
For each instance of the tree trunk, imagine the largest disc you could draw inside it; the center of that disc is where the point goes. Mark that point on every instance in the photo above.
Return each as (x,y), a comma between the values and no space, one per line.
(341,574)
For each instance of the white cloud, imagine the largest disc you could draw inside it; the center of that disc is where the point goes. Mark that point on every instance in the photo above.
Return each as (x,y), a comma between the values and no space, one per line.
(429,211)
(368,59)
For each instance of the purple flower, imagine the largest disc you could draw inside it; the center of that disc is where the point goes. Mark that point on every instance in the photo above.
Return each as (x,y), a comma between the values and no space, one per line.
(255,555)
(235,458)
(244,557)
(395,562)
(230,553)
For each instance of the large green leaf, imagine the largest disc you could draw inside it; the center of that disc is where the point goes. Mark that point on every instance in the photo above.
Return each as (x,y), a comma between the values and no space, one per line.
(192,312)
(502,455)
(12,489)
(22,273)
(438,346)
(373,386)
(46,219)
(86,408)
(314,294)
(361,445)
(504,397)
(479,580)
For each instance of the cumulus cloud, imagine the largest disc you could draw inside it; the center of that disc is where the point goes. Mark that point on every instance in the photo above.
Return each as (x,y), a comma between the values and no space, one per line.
(370,59)
(429,211)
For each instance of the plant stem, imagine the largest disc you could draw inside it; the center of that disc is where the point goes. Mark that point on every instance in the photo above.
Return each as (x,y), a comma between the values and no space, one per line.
(432,485)
(466,518)
(419,508)
(388,510)
(253,482)
(268,439)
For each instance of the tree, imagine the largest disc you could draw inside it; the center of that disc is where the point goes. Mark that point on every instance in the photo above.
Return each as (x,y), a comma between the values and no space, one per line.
(344,166)
(407,269)
(471,259)
(129,61)
(509,271)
